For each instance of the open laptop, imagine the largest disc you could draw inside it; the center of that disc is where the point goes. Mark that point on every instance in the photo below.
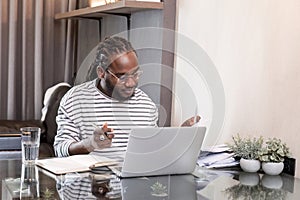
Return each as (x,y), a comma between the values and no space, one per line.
(161,151)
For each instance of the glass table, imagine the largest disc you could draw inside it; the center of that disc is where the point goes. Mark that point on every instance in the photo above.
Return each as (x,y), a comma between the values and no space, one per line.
(36,183)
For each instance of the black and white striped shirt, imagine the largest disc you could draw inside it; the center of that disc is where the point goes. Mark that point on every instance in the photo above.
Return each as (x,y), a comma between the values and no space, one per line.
(85,105)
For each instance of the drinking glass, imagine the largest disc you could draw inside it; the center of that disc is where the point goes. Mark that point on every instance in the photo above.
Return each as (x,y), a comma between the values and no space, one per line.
(30,144)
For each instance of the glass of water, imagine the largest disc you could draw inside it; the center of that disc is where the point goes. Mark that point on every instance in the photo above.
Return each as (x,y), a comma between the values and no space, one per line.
(30,144)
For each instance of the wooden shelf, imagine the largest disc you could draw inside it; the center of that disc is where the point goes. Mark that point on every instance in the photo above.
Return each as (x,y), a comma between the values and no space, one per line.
(124,7)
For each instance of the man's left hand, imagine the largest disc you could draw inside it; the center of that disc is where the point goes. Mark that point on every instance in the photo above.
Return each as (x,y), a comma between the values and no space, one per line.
(191,121)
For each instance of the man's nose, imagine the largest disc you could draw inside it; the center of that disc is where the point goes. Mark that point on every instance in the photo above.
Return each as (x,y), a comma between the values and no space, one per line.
(130,82)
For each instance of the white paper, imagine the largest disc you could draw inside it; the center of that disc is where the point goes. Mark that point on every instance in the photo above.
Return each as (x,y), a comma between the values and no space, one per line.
(76,163)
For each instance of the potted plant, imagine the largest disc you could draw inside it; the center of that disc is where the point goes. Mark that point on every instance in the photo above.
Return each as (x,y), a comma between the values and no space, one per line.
(248,150)
(273,155)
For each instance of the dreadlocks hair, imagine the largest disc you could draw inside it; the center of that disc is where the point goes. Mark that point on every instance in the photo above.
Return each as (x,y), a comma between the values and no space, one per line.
(108,48)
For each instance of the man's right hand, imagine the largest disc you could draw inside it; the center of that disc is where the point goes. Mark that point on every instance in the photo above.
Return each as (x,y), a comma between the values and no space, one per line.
(99,140)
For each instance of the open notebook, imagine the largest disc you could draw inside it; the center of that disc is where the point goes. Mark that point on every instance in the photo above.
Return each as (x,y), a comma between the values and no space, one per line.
(76,163)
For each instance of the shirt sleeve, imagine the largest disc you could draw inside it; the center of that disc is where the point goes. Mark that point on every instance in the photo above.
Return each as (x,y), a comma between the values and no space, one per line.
(155,117)
(67,132)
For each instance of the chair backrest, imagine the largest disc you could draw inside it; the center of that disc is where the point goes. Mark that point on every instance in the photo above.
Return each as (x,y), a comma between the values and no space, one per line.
(50,118)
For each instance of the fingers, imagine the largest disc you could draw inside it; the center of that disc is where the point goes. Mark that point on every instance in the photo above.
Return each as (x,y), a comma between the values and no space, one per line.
(110,136)
(191,121)
(194,120)
(106,136)
(103,137)
(106,129)
(102,141)
(103,130)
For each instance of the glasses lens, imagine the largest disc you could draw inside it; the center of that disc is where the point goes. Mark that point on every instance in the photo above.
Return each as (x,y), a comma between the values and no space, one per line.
(135,76)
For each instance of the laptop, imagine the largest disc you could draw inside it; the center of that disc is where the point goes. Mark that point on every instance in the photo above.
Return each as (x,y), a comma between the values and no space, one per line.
(161,151)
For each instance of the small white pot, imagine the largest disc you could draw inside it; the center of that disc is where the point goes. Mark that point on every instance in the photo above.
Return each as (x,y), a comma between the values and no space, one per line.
(272,168)
(250,165)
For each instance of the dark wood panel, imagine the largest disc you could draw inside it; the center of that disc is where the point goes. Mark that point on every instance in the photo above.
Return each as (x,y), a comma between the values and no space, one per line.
(169,22)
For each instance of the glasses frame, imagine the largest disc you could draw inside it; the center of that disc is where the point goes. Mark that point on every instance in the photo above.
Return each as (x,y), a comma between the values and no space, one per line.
(122,79)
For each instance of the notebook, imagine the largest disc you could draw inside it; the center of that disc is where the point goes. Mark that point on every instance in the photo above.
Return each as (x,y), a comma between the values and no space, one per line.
(75,163)
(161,151)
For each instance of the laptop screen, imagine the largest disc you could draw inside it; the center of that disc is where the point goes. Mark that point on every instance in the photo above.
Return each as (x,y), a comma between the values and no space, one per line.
(164,150)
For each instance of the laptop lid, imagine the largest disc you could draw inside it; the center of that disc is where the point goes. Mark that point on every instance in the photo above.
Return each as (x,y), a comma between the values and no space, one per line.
(162,151)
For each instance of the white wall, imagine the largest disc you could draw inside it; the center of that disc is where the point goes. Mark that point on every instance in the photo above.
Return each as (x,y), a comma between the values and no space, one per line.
(255,46)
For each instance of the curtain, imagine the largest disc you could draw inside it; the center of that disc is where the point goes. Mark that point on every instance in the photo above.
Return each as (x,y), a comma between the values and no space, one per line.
(36,52)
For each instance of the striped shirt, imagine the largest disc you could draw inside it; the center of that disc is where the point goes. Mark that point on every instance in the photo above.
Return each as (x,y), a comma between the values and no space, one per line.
(85,105)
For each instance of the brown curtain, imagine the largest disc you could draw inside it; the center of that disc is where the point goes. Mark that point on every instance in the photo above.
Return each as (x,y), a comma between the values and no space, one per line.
(36,52)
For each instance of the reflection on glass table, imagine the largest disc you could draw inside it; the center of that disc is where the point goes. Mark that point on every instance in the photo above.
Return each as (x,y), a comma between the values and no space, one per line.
(252,186)
(29,186)
(160,187)
(88,186)
(209,184)
(27,183)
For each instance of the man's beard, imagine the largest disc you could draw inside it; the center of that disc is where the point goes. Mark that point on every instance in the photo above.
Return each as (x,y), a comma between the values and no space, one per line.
(116,93)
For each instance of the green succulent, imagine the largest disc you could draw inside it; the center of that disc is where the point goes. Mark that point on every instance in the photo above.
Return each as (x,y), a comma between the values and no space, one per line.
(247,148)
(274,151)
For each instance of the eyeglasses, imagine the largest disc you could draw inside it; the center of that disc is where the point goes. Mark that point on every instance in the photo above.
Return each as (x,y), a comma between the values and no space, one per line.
(123,78)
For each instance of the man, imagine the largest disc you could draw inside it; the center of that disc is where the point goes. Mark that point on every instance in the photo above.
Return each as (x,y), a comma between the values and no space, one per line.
(112,99)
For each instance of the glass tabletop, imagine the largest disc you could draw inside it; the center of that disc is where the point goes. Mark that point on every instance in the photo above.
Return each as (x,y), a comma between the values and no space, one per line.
(36,183)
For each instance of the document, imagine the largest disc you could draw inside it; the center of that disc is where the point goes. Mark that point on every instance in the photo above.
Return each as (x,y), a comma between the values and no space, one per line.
(76,163)
(218,156)
(223,159)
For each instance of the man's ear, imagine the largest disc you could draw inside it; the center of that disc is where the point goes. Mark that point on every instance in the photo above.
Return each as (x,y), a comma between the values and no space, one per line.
(100,72)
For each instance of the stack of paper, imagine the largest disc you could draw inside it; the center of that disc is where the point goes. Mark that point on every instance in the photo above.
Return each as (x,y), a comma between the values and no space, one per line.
(217,157)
